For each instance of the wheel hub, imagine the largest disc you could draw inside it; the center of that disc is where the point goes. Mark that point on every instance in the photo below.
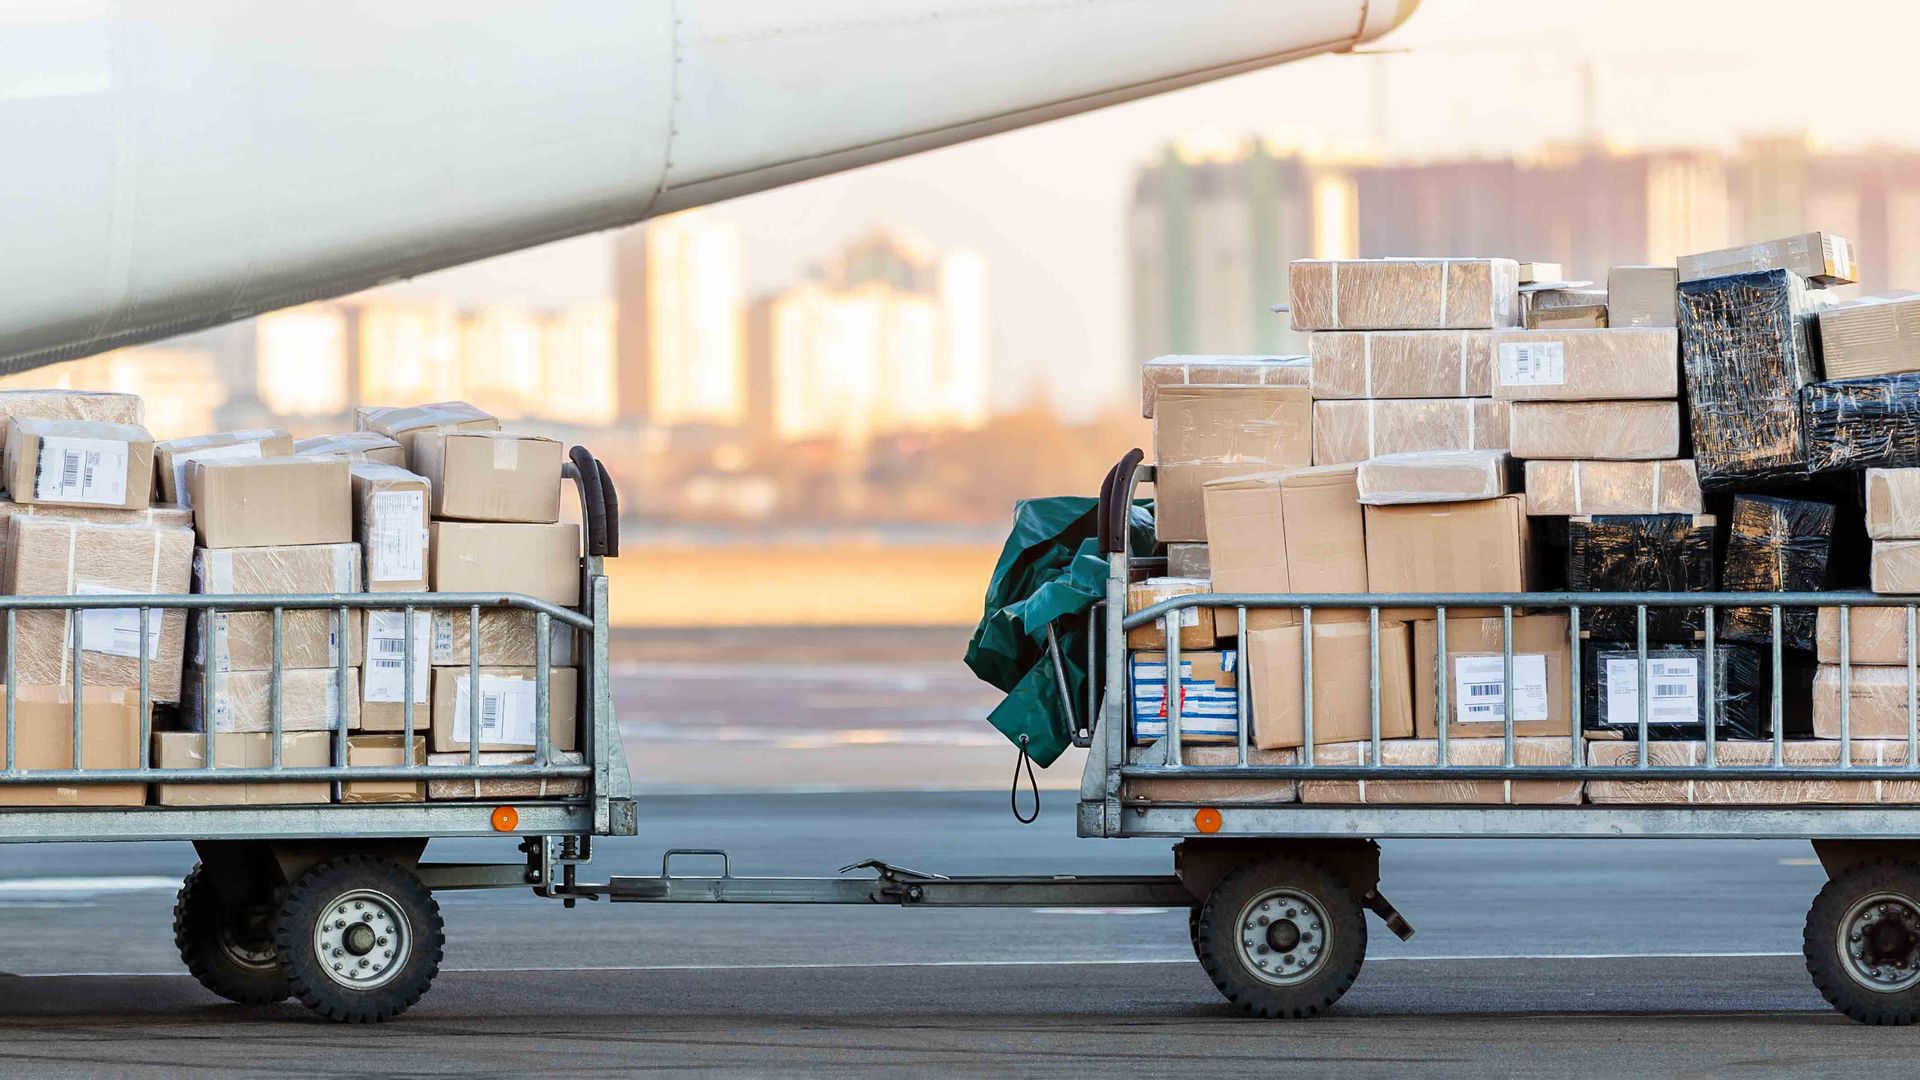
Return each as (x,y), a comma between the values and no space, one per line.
(1282,936)
(362,939)
(1880,942)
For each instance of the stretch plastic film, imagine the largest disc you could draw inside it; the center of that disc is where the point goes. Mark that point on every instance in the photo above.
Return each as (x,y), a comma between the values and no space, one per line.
(1855,423)
(1612,487)
(1775,545)
(1747,345)
(1401,363)
(1641,553)
(1678,674)
(1404,294)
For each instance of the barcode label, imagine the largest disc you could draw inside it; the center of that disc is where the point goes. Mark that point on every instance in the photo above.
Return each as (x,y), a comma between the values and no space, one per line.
(385,676)
(1676,691)
(82,471)
(506,710)
(1481,681)
(1533,363)
(116,631)
(396,540)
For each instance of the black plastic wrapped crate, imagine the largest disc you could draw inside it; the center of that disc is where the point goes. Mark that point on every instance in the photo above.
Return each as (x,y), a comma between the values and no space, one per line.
(1850,424)
(1747,347)
(1775,545)
(1641,553)
(1610,677)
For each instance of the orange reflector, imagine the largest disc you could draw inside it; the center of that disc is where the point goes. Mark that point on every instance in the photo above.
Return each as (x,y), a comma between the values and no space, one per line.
(1207,821)
(507,819)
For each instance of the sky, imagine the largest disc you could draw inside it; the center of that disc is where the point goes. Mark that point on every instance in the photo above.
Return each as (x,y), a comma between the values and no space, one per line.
(1047,205)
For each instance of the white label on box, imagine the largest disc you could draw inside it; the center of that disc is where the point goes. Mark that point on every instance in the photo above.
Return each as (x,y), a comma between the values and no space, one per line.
(1676,691)
(443,639)
(385,675)
(82,471)
(1533,363)
(506,710)
(1480,680)
(231,452)
(396,544)
(116,631)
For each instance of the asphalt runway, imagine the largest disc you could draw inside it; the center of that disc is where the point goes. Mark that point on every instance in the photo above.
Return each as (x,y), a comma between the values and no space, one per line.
(1587,958)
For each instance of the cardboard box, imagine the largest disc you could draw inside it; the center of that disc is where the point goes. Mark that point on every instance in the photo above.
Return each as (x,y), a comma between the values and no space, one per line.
(441,789)
(1582,317)
(1536,273)
(506,639)
(403,425)
(1875,636)
(1737,753)
(1197,624)
(49,556)
(1572,294)
(1748,350)
(43,739)
(1595,430)
(1445,476)
(506,709)
(100,407)
(271,502)
(367,751)
(354,446)
(1874,335)
(1179,513)
(309,638)
(1820,257)
(1893,504)
(490,475)
(1526,752)
(1476,677)
(1163,789)
(1448,548)
(187,750)
(390,522)
(1299,530)
(243,700)
(1403,294)
(1188,560)
(1643,296)
(1629,553)
(1219,371)
(1634,364)
(1401,363)
(541,561)
(1342,705)
(1613,487)
(171,457)
(160,514)
(1241,425)
(1209,696)
(1896,566)
(383,677)
(80,463)
(1345,432)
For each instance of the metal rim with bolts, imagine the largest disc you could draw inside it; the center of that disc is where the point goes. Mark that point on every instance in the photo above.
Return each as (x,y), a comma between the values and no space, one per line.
(1879,942)
(1282,936)
(363,940)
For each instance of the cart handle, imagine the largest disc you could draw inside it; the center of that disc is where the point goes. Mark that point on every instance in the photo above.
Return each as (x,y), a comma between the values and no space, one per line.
(599,504)
(1115,503)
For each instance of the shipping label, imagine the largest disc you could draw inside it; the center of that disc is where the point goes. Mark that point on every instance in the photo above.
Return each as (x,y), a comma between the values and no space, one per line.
(232,452)
(1480,682)
(1533,363)
(82,471)
(506,710)
(1206,707)
(396,541)
(1676,691)
(385,676)
(116,631)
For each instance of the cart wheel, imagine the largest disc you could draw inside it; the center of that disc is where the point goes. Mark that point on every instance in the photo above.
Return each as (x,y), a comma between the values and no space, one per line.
(361,939)
(1193,928)
(1282,938)
(1863,942)
(230,952)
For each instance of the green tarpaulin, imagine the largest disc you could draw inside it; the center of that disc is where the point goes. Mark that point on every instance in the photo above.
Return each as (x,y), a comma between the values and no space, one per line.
(1050,566)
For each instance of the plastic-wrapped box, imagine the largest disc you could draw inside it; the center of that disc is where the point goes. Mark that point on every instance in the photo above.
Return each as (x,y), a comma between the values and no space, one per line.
(1583,317)
(243,700)
(1529,752)
(1641,553)
(1632,364)
(159,514)
(1747,346)
(100,407)
(404,424)
(50,556)
(1896,566)
(1404,294)
(354,446)
(1612,487)
(1820,257)
(310,638)
(1188,561)
(1874,335)
(1855,423)
(1356,364)
(506,638)
(1439,477)
(1642,296)
(1876,702)
(1775,545)
(1350,431)
(1610,691)
(1893,504)
(1875,635)
(440,790)
(1747,754)
(1595,430)
(172,456)
(1164,371)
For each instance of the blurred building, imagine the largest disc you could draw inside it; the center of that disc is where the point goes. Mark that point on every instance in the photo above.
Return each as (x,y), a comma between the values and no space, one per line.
(679,283)
(1213,225)
(179,385)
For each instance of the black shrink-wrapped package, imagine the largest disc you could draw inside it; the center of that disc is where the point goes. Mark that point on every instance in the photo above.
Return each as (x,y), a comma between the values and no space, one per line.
(1610,679)
(1662,553)
(1775,545)
(1747,346)
(1849,424)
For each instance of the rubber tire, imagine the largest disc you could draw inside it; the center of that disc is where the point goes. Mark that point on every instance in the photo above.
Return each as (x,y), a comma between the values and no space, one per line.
(1193,929)
(197,933)
(309,897)
(1215,939)
(1823,924)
